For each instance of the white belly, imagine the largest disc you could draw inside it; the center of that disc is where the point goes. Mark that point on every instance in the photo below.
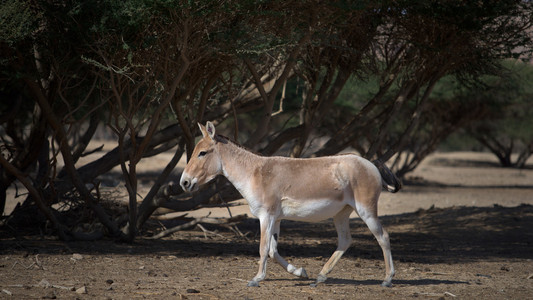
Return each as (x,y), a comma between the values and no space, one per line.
(310,210)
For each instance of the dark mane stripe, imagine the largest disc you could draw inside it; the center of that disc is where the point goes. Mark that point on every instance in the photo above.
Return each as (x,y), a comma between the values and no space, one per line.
(224,140)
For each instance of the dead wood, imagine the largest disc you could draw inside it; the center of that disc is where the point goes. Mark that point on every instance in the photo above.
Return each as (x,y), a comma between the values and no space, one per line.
(196,221)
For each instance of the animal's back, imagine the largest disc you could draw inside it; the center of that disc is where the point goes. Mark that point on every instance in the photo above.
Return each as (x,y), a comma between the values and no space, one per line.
(317,188)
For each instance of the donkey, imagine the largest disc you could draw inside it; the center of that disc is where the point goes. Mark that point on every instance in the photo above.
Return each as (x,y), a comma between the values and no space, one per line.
(303,189)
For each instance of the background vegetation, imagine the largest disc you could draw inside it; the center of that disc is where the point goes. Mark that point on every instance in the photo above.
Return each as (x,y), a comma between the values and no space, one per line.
(298,78)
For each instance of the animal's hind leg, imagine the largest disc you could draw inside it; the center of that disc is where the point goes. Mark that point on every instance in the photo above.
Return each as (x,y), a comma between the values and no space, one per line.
(369,216)
(342,224)
(300,272)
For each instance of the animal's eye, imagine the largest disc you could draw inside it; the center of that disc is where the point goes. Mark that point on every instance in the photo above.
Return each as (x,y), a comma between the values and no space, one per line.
(202,153)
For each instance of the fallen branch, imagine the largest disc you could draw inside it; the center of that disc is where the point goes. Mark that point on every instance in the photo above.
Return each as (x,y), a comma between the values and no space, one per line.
(19,263)
(221,221)
(169,216)
(36,263)
(174,229)
(45,284)
(209,231)
(178,228)
(194,222)
(236,230)
(437,294)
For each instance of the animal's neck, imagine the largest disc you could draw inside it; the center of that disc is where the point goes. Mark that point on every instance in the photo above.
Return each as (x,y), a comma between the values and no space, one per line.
(238,164)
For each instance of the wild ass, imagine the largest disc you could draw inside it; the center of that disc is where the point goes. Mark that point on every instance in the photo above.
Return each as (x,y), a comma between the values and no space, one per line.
(311,189)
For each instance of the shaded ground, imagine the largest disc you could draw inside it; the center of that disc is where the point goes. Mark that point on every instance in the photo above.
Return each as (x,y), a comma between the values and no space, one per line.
(472,252)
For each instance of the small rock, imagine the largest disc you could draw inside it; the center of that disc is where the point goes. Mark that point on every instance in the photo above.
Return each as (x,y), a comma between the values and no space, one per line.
(530,276)
(44,283)
(193,291)
(82,290)
(109,281)
(50,295)
(449,294)
(76,256)
(505,268)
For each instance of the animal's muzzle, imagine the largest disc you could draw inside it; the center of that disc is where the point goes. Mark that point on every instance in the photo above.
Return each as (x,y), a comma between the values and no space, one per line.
(187,183)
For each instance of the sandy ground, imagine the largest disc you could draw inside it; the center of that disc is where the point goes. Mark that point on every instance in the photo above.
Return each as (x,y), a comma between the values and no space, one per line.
(464,229)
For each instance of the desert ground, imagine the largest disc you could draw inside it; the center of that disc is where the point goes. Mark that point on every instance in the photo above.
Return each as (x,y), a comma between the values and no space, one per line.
(462,228)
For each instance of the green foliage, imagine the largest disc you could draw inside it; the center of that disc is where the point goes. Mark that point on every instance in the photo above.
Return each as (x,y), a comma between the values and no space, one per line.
(506,105)
(459,141)
(357,92)
(17,21)
(511,103)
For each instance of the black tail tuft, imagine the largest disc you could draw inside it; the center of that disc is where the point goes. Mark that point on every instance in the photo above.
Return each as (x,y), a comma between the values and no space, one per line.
(389,181)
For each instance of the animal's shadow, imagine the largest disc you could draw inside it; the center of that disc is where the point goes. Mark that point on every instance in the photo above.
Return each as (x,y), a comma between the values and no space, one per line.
(371,282)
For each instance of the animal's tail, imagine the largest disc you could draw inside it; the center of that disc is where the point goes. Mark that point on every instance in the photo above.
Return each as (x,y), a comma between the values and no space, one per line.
(389,181)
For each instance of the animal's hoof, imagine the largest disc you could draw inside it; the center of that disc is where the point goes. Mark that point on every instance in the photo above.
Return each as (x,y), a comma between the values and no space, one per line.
(253,283)
(301,273)
(321,278)
(386,284)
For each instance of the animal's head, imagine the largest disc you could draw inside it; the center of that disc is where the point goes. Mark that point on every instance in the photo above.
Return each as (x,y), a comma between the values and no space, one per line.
(204,164)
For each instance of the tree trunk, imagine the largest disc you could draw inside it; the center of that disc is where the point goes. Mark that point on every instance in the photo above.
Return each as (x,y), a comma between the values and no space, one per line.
(156,196)
(68,160)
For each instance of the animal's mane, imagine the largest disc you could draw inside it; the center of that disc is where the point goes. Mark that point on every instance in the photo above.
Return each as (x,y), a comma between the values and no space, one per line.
(224,140)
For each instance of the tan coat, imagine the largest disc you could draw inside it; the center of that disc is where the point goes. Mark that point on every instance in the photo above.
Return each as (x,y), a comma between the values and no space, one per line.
(310,189)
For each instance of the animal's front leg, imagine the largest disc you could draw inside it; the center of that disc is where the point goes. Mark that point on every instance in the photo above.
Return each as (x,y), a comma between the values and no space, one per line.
(266,223)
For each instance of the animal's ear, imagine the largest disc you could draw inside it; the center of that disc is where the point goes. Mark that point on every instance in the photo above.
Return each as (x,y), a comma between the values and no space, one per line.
(203,130)
(210,129)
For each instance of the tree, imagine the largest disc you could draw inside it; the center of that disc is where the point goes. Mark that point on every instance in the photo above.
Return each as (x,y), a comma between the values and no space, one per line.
(506,128)
(50,91)
(418,45)
(150,70)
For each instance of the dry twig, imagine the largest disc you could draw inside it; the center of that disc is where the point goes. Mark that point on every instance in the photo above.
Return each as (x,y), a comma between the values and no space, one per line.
(193,222)
(208,231)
